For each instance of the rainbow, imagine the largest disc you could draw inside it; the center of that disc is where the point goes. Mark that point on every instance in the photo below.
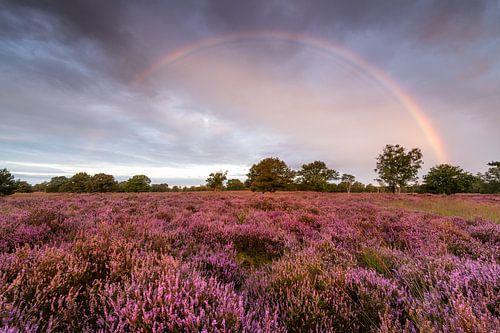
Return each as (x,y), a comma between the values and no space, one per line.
(339,51)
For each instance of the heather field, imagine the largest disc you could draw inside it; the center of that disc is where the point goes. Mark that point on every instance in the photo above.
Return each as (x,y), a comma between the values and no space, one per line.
(248,262)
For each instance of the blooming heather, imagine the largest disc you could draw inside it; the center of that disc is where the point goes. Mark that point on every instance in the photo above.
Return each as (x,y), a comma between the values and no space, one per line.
(244,262)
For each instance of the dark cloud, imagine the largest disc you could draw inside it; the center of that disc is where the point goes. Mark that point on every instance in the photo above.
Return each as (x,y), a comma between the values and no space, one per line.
(67,70)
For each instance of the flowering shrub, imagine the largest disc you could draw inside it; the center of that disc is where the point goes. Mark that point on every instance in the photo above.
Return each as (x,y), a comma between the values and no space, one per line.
(244,262)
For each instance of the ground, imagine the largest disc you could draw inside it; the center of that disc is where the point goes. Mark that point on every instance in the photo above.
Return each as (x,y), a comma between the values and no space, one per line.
(249,262)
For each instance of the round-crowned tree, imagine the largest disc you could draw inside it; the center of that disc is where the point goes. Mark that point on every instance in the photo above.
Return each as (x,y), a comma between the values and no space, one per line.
(270,175)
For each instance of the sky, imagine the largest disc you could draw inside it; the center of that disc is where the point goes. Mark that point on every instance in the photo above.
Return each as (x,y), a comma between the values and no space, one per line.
(178,89)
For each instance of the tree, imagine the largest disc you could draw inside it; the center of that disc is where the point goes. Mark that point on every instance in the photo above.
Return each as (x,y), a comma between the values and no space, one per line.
(348,180)
(216,180)
(235,185)
(138,183)
(57,184)
(7,182)
(101,182)
(160,187)
(23,187)
(448,179)
(269,175)
(396,167)
(315,176)
(491,178)
(78,183)
(41,187)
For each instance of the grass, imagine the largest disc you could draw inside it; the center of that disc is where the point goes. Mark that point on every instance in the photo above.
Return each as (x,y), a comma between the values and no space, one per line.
(452,206)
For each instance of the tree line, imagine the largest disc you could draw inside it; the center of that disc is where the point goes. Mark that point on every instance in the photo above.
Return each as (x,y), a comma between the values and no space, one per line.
(397,170)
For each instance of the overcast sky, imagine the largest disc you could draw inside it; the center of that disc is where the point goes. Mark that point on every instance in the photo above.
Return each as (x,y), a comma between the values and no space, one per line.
(70,99)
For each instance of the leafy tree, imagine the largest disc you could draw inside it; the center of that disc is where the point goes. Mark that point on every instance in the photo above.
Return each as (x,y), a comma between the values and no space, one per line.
(371,188)
(235,185)
(491,178)
(358,187)
(269,175)
(348,180)
(41,187)
(101,182)
(57,184)
(160,187)
(78,183)
(138,183)
(23,186)
(396,167)
(448,179)
(215,180)
(315,176)
(7,182)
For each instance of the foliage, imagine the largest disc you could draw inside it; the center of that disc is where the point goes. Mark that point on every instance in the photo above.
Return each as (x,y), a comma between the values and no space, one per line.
(348,180)
(491,179)
(7,182)
(23,187)
(57,184)
(160,187)
(138,183)
(40,187)
(235,185)
(78,183)
(215,180)
(447,179)
(396,167)
(243,262)
(101,182)
(270,175)
(315,176)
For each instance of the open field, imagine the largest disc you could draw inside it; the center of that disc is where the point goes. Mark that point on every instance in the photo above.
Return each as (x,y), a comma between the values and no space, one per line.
(248,262)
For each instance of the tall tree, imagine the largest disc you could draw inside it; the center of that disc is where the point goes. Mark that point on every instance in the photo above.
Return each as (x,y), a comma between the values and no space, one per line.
(7,182)
(491,178)
(447,179)
(396,166)
(315,176)
(215,180)
(138,183)
(348,180)
(79,183)
(57,184)
(270,175)
(101,182)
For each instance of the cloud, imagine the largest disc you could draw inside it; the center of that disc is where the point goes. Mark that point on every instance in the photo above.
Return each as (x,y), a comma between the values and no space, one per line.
(67,91)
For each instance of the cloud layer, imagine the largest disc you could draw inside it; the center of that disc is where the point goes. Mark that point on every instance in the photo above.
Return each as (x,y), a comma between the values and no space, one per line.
(69,102)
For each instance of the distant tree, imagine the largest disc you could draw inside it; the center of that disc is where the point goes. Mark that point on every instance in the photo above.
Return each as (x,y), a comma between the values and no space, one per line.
(358,187)
(448,179)
(41,187)
(371,188)
(101,182)
(215,180)
(396,167)
(270,175)
(175,188)
(23,187)
(491,179)
(7,182)
(160,187)
(235,185)
(348,180)
(138,183)
(57,184)
(315,176)
(78,183)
